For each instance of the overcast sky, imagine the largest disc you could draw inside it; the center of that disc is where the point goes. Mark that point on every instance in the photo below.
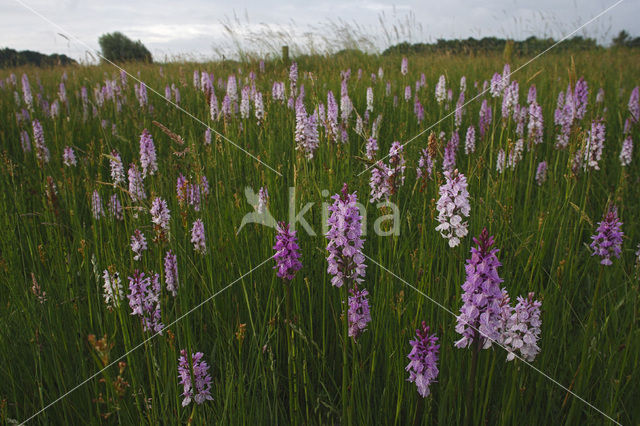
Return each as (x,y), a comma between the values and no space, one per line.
(197,27)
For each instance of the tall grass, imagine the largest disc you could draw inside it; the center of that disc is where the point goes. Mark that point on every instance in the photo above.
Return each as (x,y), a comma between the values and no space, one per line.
(269,367)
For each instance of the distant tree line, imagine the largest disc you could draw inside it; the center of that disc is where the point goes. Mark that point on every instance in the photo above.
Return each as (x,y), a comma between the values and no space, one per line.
(12,58)
(623,39)
(472,45)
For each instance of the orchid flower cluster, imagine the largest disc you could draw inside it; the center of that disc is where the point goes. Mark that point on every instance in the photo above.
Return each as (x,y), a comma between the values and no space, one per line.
(453,207)
(346,260)
(194,378)
(423,367)
(387,179)
(486,316)
(287,255)
(144,300)
(607,242)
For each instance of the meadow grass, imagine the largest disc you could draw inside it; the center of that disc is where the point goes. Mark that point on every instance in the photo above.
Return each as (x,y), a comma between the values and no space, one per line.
(270,367)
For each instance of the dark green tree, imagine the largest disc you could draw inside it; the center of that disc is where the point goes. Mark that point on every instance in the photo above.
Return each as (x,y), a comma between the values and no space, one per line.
(117,47)
(621,39)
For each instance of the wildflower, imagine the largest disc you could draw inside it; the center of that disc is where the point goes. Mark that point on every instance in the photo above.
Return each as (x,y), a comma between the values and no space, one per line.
(485,118)
(407,93)
(372,148)
(509,99)
(138,244)
(520,327)
(232,89)
(541,173)
(259,107)
(379,182)
(141,94)
(397,166)
(404,66)
(96,205)
(69,157)
(346,108)
(181,189)
(358,314)
(263,199)
(287,252)
(580,98)
(532,94)
(194,378)
(470,140)
(293,78)
(25,142)
(459,111)
(26,92)
(144,300)
(115,208)
(600,96)
(564,116)
(226,109)
(346,261)
(207,136)
(480,312)
(375,126)
(496,85)
(160,214)
(245,102)
(171,272)
(627,151)
(213,106)
(425,165)
(535,126)
(608,240)
(332,117)
(634,104)
(55,109)
(449,160)
(277,91)
(193,195)
(42,152)
(500,161)
(198,237)
(176,93)
(453,206)
(418,110)
(117,169)
(369,99)
(515,154)
(441,91)
(147,154)
(204,186)
(595,144)
(136,186)
(196,79)
(423,365)
(505,78)
(386,180)
(311,135)
(112,289)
